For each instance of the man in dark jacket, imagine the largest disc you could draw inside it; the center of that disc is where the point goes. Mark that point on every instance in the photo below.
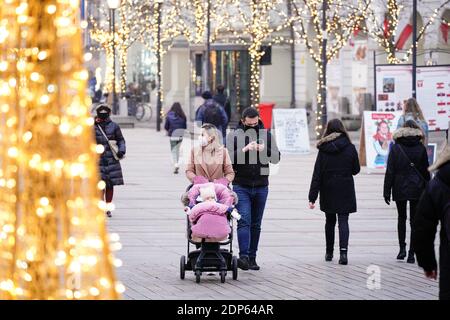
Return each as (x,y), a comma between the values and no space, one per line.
(407,182)
(434,206)
(251,149)
(211,112)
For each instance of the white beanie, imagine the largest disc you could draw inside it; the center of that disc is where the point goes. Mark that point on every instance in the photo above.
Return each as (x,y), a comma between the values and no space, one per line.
(207,192)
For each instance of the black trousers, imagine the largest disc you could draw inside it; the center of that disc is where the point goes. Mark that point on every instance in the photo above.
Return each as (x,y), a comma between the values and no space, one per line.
(402,217)
(344,231)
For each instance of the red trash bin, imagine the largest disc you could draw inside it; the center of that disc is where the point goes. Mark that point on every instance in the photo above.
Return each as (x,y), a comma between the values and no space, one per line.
(265,112)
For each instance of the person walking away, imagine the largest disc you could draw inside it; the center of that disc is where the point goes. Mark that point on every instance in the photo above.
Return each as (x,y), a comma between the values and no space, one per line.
(412,111)
(175,126)
(222,99)
(252,148)
(107,131)
(210,160)
(213,113)
(406,177)
(434,206)
(336,164)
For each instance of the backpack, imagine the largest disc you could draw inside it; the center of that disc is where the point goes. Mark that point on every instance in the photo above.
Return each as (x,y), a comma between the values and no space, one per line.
(213,114)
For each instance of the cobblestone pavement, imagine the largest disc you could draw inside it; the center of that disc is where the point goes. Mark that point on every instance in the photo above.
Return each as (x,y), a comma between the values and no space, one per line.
(152,226)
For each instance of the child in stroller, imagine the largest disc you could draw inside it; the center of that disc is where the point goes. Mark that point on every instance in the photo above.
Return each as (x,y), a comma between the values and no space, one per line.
(210,212)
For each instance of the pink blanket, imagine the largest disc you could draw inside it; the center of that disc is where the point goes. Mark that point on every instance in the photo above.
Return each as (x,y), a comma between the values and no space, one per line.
(209,220)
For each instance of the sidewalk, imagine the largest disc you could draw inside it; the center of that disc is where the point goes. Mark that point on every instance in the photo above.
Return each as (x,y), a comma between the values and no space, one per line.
(152,226)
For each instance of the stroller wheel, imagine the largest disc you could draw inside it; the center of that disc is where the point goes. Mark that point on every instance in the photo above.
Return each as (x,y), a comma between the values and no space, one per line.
(182,267)
(234,267)
(197,276)
(223,274)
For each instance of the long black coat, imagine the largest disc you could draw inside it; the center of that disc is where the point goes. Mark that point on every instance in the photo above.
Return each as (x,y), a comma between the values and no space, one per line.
(401,178)
(336,164)
(110,169)
(434,207)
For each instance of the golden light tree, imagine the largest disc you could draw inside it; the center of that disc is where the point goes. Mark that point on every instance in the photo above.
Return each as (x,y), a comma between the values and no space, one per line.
(254,22)
(324,38)
(385,30)
(53,238)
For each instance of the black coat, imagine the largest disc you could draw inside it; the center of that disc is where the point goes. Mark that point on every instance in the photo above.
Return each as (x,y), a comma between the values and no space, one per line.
(434,207)
(401,177)
(336,164)
(110,169)
(252,168)
(224,101)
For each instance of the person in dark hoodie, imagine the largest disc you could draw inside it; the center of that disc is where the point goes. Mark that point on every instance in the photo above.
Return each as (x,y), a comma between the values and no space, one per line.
(434,206)
(175,126)
(406,176)
(110,169)
(336,164)
(222,99)
(251,149)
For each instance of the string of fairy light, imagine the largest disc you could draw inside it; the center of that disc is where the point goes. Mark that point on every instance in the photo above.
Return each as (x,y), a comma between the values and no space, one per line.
(385,35)
(53,238)
(253,23)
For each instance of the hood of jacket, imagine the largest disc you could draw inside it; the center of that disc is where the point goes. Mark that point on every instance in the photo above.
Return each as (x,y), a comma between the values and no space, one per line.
(333,143)
(443,158)
(408,136)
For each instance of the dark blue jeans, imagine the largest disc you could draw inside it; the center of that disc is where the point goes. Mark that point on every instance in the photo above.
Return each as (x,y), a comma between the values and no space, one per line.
(251,204)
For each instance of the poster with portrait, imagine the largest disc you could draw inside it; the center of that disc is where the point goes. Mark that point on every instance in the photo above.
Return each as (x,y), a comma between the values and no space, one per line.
(394,86)
(291,130)
(360,64)
(378,131)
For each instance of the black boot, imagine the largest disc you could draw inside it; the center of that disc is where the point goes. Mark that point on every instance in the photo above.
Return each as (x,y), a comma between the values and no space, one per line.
(329,255)
(243,263)
(252,265)
(343,257)
(411,258)
(402,254)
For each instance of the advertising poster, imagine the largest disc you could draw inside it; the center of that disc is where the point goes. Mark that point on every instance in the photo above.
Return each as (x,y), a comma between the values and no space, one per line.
(432,151)
(291,130)
(360,64)
(379,128)
(393,87)
(433,95)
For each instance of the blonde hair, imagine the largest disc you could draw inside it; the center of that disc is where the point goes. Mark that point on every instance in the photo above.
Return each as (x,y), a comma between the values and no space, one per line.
(411,106)
(207,192)
(212,131)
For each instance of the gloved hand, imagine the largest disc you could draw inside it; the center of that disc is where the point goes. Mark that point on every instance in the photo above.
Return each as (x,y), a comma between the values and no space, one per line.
(387,200)
(120,154)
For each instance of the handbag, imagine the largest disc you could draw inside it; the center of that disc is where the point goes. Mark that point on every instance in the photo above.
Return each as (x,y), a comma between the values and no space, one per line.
(112,145)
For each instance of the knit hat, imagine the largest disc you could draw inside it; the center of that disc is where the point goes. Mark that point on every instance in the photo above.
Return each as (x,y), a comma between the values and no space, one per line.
(207,192)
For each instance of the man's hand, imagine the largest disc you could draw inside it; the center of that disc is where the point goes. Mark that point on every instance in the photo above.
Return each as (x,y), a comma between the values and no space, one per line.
(260,147)
(431,275)
(312,205)
(250,147)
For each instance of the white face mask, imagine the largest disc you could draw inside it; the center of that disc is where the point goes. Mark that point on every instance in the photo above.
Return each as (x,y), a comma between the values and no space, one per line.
(203,141)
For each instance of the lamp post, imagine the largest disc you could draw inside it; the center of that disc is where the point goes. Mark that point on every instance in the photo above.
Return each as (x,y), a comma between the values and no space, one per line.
(159,4)
(113,5)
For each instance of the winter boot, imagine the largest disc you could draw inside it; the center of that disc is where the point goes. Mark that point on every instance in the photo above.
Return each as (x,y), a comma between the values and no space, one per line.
(343,257)
(411,258)
(402,254)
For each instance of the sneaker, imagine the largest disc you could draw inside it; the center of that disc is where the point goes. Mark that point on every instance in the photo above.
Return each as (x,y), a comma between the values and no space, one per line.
(411,258)
(252,265)
(243,263)
(109,214)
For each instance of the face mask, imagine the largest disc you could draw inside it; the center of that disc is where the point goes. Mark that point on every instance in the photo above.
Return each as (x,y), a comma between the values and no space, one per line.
(246,127)
(203,141)
(103,115)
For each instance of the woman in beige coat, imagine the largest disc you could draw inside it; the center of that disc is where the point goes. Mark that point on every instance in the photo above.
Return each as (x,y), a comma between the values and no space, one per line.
(210,159)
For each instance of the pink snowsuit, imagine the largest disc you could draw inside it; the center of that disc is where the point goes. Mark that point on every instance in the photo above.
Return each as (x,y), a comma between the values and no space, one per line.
(209,219)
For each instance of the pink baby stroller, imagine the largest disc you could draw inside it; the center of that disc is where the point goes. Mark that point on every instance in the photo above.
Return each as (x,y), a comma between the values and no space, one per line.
(209,256)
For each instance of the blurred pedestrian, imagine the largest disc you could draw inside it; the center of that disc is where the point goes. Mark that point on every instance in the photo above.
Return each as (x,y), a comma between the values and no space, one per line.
(412,111)
(175,126)
(213,113)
